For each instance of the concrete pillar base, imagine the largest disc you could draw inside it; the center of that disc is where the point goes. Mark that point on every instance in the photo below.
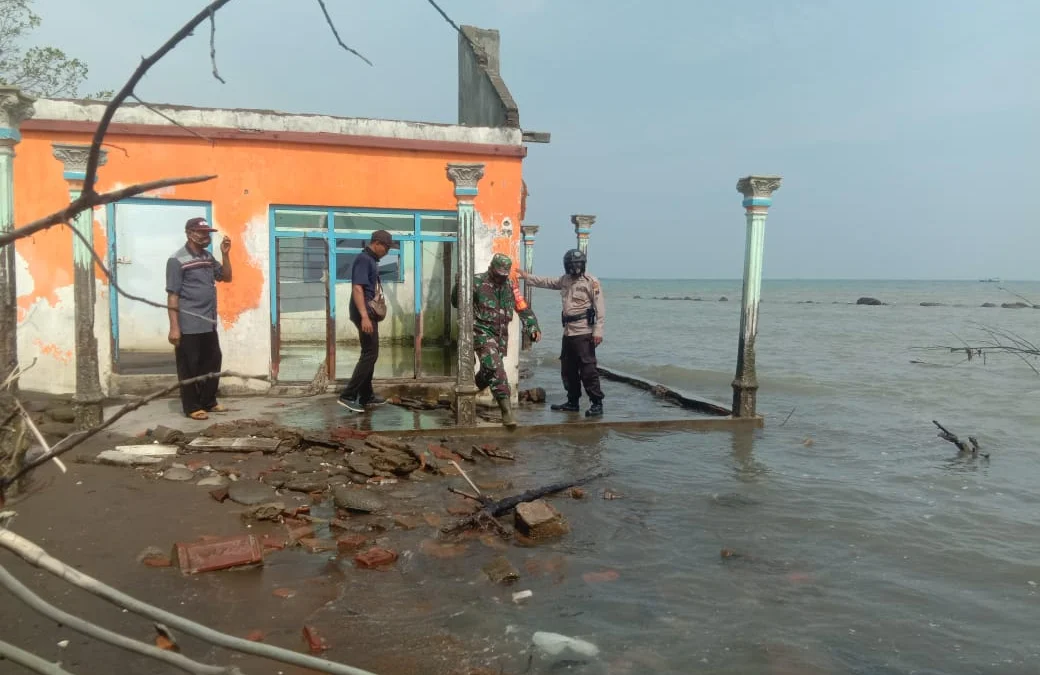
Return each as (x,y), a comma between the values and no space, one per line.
(745,398)
(89,414)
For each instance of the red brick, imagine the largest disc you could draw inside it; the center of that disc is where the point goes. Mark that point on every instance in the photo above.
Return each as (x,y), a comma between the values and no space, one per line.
(220,494)
(375,557)
(303,532)
(315,642)
(441,452)
(273,542)
(283,593)
(255,636)
(218,554)
(351,542)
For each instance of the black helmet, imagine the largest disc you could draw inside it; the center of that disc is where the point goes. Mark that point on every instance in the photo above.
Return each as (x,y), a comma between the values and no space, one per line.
(574,262)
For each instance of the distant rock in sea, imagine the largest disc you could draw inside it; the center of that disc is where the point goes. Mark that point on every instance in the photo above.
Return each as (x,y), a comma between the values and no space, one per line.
(989,304)
(724,299)
(869,301)
(932,304)
(1015,305)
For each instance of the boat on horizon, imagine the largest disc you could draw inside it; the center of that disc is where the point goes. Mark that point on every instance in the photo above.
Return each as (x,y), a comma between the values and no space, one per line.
(992,280)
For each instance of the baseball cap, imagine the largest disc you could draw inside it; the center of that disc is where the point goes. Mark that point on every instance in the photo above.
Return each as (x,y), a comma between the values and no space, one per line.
(383,237)
(198,225)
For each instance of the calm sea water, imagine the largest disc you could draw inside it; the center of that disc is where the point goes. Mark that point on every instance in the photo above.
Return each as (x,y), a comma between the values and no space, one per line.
(871,548)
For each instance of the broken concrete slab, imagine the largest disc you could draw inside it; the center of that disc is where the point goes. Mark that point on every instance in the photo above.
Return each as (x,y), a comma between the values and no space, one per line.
(539,520)
(308,482)
(241,444)
(361,466)
(117,458)
(250,492)
(149,450)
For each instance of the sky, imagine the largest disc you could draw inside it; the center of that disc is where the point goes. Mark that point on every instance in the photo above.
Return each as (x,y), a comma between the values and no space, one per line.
(907,131)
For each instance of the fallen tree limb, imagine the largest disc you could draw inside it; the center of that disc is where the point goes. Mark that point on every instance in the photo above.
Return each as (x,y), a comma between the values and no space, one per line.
(69,442)
(39,605)
(971,445)
(495,509)
(30,661)
(37,557)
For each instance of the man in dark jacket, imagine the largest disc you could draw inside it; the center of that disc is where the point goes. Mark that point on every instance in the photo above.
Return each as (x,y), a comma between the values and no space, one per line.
(365,287)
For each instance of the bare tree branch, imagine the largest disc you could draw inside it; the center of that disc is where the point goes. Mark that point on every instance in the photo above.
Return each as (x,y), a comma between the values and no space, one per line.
(84,202)
(328,20)
(30,661)
(445,15)
(40,606)
(69,442)
(37,557)
(171,120)
(213,45)
(128,88)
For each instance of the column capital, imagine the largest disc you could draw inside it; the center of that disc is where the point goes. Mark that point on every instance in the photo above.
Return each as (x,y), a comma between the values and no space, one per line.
(465,177)
(529,231)
(15,108)
(758,190)
(582,221)
(74,158)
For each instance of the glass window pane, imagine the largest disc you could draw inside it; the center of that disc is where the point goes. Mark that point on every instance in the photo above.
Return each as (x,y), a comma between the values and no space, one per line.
(301,260)
(369,222)
(440,224)
(357,244)
(297,220)
(389,266)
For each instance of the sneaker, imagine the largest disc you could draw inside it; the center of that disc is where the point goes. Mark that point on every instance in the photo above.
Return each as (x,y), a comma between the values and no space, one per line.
(351,404)
(595,410)
(569,406)
(375,400)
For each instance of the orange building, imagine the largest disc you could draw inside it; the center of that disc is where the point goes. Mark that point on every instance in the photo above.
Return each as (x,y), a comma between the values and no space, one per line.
(299,196)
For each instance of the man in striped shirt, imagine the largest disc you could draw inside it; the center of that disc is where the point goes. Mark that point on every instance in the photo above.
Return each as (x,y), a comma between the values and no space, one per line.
(191,294)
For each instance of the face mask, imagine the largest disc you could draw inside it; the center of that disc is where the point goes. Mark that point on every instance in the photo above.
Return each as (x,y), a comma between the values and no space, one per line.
(199,239)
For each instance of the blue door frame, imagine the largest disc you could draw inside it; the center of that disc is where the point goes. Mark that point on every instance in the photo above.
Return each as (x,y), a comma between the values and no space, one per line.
(113,266)
(330,234)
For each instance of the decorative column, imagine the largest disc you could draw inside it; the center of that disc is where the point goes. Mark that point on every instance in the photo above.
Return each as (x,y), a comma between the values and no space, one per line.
(89,397)
(465,177)
(528,233)
(15,107)
(758,192)
(583,228)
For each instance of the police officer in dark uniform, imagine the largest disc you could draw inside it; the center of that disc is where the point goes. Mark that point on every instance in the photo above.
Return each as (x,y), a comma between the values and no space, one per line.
(584,312)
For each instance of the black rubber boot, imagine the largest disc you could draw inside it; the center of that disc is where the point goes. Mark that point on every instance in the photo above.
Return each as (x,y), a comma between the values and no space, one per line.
(506,407)
(595,410)
(569,406)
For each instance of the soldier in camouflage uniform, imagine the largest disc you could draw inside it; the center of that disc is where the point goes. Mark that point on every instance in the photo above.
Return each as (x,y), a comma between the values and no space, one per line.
(495,297)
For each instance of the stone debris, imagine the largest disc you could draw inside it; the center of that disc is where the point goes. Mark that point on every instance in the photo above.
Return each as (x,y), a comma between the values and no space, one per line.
(308,482)
(539,520)
(166,435)
(154,557)
(535,395)
(218,554)
(350,542)
(520,596)
(501,571)
(555,644)
(250,493)
(270,511)
(149,450)
(213,482)
(177,473)
(357,499)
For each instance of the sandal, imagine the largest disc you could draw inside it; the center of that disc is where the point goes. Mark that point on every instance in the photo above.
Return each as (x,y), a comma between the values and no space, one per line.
(218,408)
(199,415)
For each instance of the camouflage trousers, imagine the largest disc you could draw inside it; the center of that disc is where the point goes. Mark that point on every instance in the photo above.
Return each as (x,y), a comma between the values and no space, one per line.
(492,372)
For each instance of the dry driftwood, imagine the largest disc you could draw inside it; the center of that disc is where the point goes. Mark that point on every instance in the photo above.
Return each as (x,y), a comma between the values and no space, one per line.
(494,509)
(970,446)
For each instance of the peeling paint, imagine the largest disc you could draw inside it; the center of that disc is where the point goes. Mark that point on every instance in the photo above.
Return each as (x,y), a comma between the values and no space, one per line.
(54,351)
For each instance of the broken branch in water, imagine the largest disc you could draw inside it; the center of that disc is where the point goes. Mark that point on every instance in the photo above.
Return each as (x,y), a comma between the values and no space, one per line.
(493,510)
(970,446)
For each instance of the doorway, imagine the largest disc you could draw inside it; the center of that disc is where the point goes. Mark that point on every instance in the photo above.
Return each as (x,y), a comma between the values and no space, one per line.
(142,235)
